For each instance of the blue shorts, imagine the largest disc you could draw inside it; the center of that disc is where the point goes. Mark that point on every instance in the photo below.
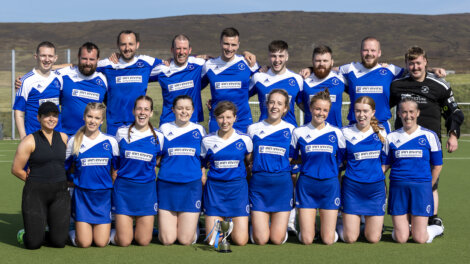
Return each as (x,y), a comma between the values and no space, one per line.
(179,197)
(91,206)
(226,198)
(317,194)
(358,198)
(134,199)
(413,198)
(271,192)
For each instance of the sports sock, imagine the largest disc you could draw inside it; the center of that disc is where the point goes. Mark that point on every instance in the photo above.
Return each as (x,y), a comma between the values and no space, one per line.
(336,237)
(339,230)
(433,231)
(112,236)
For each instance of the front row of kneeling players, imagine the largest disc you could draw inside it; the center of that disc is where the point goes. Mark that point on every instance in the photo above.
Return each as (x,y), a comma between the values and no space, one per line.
(249,174)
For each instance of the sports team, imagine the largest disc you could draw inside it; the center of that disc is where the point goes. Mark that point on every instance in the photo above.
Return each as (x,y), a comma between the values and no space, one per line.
(268,179)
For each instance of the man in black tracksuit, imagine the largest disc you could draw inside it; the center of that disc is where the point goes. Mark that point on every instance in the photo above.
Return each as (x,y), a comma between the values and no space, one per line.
(435,99)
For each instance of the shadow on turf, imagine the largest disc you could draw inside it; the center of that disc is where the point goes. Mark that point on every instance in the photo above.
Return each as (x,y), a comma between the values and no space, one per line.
(9,226)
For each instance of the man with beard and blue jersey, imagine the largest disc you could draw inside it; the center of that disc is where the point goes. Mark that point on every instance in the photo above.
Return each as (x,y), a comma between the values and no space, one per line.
(229,78)
(278,76)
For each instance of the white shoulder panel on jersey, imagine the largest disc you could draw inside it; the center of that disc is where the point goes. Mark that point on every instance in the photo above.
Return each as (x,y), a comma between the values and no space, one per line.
(263,129)
(148,59)
(394,69)
(198,61)
(215,143)
(69,150)
(313,80)
(354,135)
(438,80)
(297,77)
(171,131)
(122,133)
(104,63)
(67,70)
(114,144)
(432,138)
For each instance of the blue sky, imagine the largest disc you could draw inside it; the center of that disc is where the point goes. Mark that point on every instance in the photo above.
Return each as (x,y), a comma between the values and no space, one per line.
(71,11)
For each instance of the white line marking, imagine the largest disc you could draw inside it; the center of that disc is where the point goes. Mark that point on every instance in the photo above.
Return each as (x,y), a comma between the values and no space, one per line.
(458,158)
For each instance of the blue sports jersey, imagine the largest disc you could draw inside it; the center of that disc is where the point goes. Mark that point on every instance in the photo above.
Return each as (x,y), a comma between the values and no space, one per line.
(321,150)
(263,83)
(271,146)
(230,81)
(126,82)
(411,156)
(92,166)
(336,84)
(181,150)
(138,155)
(374,83)
(175,81)
(363,154)
(35,90)
(226,158)
(78,90)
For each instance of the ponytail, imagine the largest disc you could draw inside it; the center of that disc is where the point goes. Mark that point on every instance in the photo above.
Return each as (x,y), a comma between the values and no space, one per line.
(78,140)
(374,123)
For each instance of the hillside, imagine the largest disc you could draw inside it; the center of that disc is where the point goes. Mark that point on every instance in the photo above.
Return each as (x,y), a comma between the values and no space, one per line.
(445,37)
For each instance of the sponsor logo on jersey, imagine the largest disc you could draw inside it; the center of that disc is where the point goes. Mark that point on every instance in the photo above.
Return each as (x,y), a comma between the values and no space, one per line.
(369,89)
(226,164)
(180,86)
(409,153)
(319,148)
(181,151)
(85,94)
(55,100)
(239,145)
(94,162)
(135,155)
(129,79)
(367,155)
(228,85)
(271,150)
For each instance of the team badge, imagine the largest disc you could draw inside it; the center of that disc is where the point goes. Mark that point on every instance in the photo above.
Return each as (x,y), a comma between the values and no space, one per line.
(383,207)
(376,137)
(332,138)
(99,82)
(428,209)
(153,141)
(140,64)
(241,66)
(196,134)
(155,207)
(56,83)
(198,204)
(383,71)
(422,141)
(424,89)
(292,82)
(106,146)
(335,81)
(337,201)
(190,67)
(239,145)
(286,134)
(291,202)
(247,208)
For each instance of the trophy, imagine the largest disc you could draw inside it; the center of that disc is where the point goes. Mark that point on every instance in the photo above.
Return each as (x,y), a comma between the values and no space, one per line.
(225,228)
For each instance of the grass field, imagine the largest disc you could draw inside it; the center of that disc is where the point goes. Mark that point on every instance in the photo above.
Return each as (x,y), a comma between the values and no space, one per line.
(453,247)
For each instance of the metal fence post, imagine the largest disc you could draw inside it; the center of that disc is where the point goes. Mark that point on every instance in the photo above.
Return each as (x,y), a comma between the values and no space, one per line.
(68,56)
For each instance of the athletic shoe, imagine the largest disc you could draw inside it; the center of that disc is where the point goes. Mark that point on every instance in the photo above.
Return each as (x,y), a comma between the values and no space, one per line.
(291,228)
(19,236)
(196,236)
(438,221)
(285,238)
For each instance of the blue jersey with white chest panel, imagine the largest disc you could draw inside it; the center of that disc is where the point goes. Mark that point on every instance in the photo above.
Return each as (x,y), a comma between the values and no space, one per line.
(137,154)
(126,82)
(271,146)
(321,150)
(374,82)
(92,165)
(175,81)
(78,90)
(336,84)
(263,83)
(34,91)
(364,154)
(226,158)
(230,81)
(181,152)
(411,156)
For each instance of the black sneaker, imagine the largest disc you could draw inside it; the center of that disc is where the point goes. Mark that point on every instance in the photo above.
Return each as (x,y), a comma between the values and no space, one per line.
(436,221)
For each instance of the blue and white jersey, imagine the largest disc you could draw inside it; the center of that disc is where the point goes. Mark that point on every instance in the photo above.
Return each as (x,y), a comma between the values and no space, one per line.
(230,81)
(411,156)
(321,150)
(364,154)
(92,165)
(78,90)
(336,84)
(263,83)
(181,152)
(374,82)
(138,155)
(226,158)
(271,146)
(126,82)
(35,90)
(175,81)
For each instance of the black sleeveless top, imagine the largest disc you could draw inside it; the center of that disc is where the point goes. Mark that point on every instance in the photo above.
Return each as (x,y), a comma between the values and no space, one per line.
(46,163)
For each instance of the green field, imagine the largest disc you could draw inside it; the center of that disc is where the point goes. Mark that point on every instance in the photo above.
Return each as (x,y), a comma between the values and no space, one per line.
(453,247)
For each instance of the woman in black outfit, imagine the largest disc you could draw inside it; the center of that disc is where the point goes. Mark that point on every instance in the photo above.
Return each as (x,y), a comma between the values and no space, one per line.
(46,200)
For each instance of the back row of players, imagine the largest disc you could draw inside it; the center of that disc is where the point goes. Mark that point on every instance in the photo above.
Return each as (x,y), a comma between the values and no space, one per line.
(229,76)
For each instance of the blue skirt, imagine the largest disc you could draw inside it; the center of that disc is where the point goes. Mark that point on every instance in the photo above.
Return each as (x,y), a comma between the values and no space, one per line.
(179,197)
(271,192)
(358,198)
(134,199)
(413,198)
(91,206)
(226,198)
(317,194)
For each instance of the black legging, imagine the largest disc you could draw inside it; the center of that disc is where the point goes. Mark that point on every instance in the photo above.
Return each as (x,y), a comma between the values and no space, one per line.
(45,203)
